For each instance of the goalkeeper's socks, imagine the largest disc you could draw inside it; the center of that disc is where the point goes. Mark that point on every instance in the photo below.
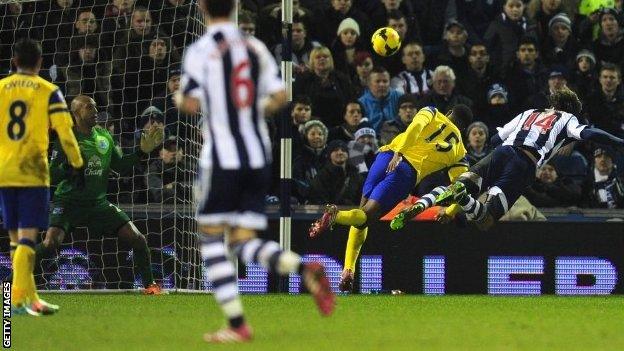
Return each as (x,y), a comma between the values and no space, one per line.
(269,255)
(222,274)
(23,279)
(474,209)
(430,199)
(143,263)
(354,245)
(355,217)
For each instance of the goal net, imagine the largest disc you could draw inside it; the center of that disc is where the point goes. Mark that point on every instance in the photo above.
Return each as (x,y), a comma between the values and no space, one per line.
(126,56)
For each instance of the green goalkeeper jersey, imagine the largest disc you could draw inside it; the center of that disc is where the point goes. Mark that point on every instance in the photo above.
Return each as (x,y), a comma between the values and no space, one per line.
(100,157)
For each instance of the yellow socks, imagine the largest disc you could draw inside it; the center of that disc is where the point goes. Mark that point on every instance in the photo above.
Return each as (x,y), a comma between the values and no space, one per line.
(23,280)
(355,217)
(354,244)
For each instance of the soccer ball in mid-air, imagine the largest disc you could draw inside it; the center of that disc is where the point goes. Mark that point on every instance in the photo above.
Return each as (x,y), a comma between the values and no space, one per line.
(386,41)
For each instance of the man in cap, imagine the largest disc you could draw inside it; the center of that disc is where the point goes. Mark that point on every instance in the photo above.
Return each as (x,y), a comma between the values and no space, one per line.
(557,80)
(560,47)
(603,188)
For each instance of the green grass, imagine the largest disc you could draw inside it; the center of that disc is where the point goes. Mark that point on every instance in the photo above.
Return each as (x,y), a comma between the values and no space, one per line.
(282,322)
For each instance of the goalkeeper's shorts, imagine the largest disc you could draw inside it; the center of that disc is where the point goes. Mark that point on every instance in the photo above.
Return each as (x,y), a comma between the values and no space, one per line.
(100,218)
(24,207)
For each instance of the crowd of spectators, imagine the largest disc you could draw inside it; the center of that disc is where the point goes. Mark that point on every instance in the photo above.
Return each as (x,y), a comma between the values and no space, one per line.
(499,57)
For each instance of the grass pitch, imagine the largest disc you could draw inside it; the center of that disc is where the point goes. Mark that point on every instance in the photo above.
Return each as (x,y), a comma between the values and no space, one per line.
(361,322)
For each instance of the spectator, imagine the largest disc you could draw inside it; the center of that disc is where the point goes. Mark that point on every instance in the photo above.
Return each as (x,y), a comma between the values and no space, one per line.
(57,20)
(363,67)
(476,81)
(557,80)
(117,19)
(130,44)
(504,33)
(345,45)
(380,101)
(176,122)
(145,77)
(363,149)
(85,24)
(311,159)
(443,96)
(583,79)
(609,47)
(326,87)
(173,19)
(15,23)
(476,16)
(541,12)
(605,107)
(415,78)
(338,182)
(407,110)
(269,24)
(453,52)
(382,10)
(432,16)
(247,23)
(498,111)
(603,188)
(527,75)
(300,114)
(329,19)
(550,190)
(165,178)
(407,29)
(87,74)
(301,46)
(560,47)
(352,122)
(150,116)
(478,139)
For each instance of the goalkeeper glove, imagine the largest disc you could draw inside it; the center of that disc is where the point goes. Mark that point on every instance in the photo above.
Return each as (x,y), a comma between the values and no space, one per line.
(152,138)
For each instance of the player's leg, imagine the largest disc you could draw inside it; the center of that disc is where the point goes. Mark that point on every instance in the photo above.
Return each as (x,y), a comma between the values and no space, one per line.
(357,237)
(354,217)
(249,249)
(142,257)
(514,178)
(222,274)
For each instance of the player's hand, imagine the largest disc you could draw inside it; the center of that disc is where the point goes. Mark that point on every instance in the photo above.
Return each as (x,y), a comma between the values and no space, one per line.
(442,216)
(152,138)
(396,159)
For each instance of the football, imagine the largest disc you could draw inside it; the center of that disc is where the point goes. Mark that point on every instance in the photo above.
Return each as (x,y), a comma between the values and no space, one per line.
(386,41)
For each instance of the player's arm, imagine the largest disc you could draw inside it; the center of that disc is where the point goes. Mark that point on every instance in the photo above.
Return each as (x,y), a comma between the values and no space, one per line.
(270,83)
(62,123)
(187,98)
(505,131)
(600,136)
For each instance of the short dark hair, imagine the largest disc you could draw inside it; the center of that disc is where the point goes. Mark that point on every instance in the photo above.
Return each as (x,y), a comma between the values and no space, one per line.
(527,40)
(395,15)
(608,66)
(379,69)
(352,101)
(27,53)
(462,116)
(302,99)
(565,100)
(219,8)
(246,17)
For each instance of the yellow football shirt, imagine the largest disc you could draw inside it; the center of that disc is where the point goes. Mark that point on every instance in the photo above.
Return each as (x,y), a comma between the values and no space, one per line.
(29,107)
(431,143)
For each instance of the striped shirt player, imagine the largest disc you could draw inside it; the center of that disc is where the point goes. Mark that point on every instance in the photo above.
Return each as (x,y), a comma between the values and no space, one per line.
(526,142)
(234,79)
(229,74)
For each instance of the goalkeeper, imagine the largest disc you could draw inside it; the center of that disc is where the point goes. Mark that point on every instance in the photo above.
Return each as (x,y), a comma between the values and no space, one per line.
(80,199)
